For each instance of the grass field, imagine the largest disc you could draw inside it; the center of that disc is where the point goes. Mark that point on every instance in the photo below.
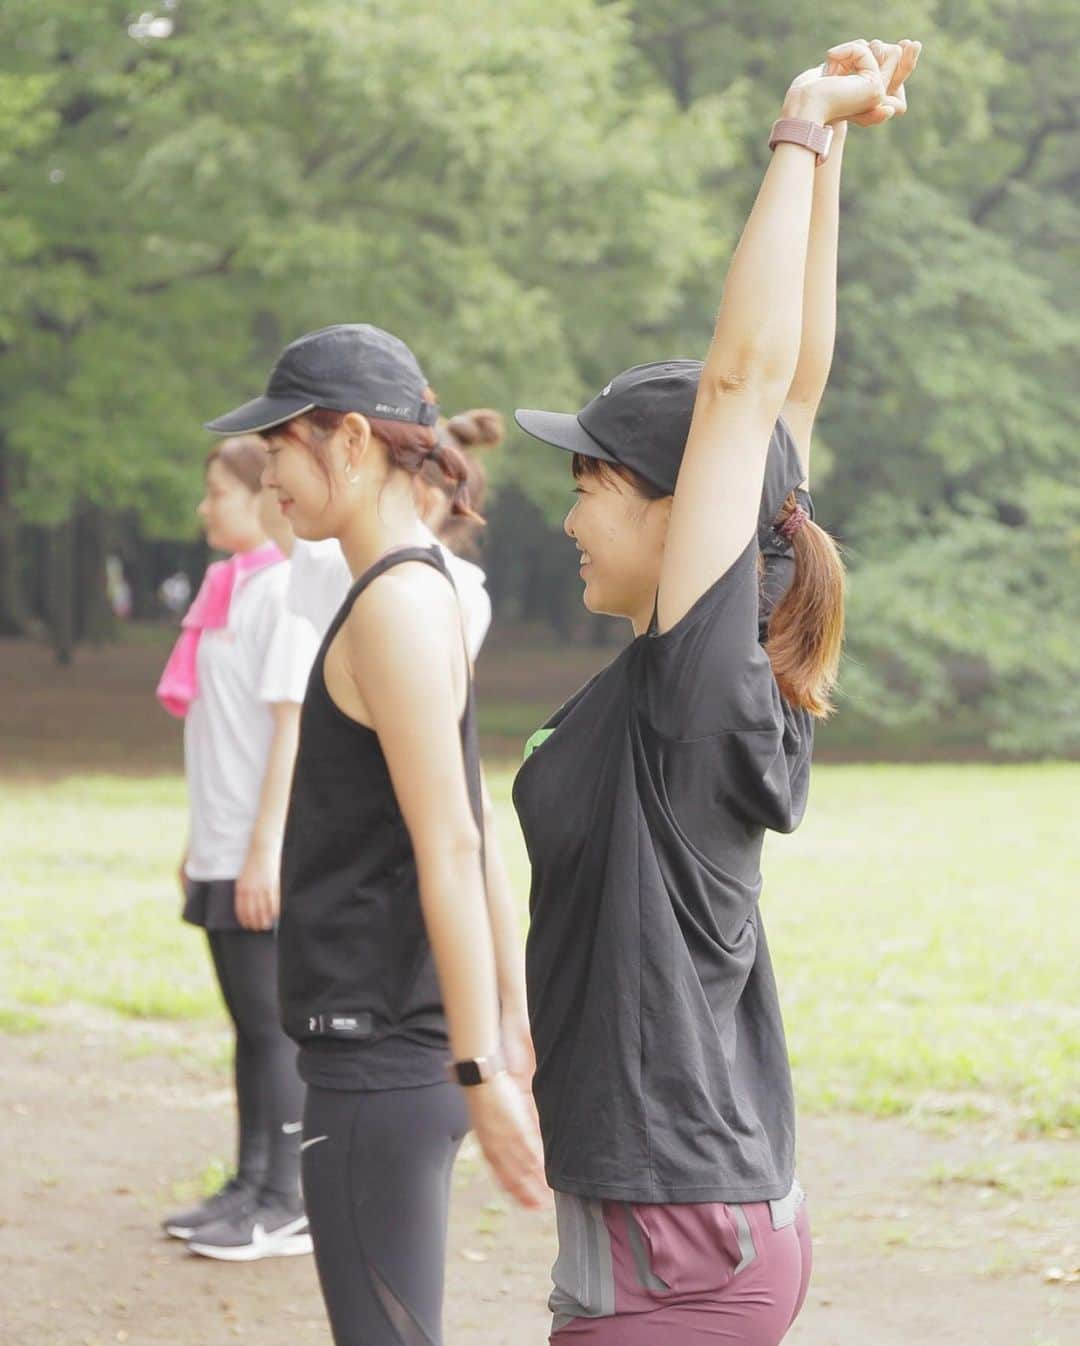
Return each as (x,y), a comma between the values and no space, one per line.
(923,922)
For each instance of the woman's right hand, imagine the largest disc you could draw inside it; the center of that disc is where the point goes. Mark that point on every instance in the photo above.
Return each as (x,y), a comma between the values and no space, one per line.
(825,97)
(896,61)
(181,875)
(506,1127)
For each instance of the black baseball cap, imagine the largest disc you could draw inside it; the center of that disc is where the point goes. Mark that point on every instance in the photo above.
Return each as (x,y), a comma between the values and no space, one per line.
(351,366)
(641,420)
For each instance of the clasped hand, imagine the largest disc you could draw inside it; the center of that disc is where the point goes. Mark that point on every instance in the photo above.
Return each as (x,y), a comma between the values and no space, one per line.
(859,81)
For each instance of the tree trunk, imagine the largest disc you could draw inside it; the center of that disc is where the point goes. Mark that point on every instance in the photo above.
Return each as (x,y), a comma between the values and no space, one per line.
(61,591)
(14,618)
(93,615)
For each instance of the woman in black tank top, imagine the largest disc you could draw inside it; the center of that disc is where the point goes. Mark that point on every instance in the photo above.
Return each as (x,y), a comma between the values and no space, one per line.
(393,952)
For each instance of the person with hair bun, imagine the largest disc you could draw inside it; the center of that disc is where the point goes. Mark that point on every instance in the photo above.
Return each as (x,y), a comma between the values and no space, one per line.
(319,574)
(237,678)
(471,432)
(400,965)
(662,1078)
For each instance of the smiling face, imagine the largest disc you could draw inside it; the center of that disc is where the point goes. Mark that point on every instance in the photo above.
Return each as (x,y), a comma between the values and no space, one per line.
(301,474)
(230,511)
(619,534)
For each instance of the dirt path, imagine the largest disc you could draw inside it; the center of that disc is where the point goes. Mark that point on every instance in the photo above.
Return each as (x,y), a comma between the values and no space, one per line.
(103,1121)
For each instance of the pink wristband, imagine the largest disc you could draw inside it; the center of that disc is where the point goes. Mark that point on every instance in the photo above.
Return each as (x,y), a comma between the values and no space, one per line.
(798,131)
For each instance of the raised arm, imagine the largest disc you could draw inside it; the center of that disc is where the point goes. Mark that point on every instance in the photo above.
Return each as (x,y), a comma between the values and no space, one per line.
(818,335)
(404,649)
(753,355)
(897,62)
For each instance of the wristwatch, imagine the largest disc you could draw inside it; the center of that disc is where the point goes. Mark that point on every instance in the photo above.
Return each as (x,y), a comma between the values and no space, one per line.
(798,131)
(478,1070)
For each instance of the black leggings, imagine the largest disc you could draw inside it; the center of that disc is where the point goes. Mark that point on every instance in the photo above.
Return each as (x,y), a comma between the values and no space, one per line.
(376,1171)
(269,1092)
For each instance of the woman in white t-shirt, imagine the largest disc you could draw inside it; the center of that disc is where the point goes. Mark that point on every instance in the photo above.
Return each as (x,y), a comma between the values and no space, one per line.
(237,676)
(319,577)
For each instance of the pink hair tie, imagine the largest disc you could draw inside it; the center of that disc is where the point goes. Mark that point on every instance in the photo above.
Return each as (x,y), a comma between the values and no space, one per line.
(792,523)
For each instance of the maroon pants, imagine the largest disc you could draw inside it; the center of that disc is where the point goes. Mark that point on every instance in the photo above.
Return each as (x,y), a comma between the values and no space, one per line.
(687,1275)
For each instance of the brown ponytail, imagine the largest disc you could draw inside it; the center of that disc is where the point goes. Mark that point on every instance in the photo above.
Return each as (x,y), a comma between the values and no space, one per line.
(806,629)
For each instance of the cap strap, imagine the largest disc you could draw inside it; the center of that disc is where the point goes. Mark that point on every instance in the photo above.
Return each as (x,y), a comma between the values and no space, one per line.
(429,413)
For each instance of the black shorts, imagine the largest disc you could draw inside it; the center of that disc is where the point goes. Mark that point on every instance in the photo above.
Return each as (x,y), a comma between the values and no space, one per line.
(211,904)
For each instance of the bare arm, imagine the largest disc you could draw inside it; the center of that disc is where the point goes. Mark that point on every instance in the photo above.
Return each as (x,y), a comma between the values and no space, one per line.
(258,896)
(752,358)
(397,651)
(897,62)
(399,639)
(509,955)
(274,796)
(819,302)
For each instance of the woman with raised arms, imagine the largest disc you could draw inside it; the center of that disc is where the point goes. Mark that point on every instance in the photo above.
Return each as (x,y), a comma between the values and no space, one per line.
(662,1082)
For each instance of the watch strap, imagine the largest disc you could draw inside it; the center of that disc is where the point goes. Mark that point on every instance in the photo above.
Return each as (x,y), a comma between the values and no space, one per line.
(800,131)
(478,1070)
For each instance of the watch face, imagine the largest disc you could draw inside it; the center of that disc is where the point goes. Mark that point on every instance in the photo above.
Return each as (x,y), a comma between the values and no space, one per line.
(468,1073)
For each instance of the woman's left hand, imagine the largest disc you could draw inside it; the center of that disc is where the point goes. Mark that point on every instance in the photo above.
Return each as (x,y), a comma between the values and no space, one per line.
(258,896)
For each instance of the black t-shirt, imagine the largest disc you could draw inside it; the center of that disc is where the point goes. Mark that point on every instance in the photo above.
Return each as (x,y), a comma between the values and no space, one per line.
(356,974)
(662,1070)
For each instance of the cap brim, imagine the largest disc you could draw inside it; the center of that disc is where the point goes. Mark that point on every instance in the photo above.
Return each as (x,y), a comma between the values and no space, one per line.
(563,430)
(261,413)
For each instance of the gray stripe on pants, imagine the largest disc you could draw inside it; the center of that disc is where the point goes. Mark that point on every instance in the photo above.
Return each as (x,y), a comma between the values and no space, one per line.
(647,1278)
(583,1273)
(747,1251)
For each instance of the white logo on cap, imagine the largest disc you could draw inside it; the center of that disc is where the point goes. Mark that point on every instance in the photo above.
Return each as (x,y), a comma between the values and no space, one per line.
(606,390)
(393,411)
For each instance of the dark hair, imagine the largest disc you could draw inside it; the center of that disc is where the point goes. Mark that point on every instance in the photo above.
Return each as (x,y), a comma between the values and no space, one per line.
(409,446)
(242,455)
(593,467)
(806,628)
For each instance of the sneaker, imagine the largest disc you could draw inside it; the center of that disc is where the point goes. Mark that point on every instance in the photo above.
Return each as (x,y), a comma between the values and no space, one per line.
(232,1200)
(262,1231)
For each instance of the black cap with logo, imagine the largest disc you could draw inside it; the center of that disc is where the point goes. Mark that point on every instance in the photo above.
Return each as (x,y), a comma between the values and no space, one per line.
(347,367)
(641,420)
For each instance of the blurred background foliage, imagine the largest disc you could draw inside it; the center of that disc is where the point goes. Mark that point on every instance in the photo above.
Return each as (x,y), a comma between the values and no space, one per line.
(536,195)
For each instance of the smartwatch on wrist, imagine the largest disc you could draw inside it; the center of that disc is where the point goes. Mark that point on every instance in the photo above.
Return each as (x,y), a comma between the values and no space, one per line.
(478,1070)
(799,131)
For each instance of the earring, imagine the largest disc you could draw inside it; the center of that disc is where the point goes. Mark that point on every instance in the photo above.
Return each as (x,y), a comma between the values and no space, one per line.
(350,476)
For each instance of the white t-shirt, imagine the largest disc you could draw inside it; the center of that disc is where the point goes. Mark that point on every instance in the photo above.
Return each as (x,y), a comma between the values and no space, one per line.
(320,579)
(262,656)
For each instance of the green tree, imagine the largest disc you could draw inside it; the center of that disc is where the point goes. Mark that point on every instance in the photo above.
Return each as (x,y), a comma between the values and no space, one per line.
(475,175)
(951,420)
(536,195)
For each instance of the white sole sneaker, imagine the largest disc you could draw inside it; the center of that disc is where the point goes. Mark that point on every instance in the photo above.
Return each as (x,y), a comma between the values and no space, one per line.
(291,1240)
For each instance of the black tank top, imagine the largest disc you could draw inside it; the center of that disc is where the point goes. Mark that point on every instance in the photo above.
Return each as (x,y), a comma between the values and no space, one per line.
(356,974)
